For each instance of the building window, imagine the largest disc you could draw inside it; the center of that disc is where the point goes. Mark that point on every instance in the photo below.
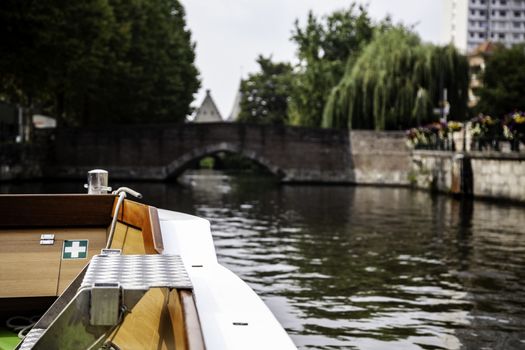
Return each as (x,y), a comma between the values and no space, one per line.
(517,13)
(482,2)
(481,35)
(482,12)
(516,24)
(503,2)
(503,13)
(471,34)
(501,36)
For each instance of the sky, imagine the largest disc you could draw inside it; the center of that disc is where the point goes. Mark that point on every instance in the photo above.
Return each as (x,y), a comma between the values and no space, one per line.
(230,34)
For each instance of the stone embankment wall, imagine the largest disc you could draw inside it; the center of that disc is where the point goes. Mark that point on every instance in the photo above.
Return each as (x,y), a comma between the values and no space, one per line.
(380,158)
(481,174)
(436,171)
(499,176)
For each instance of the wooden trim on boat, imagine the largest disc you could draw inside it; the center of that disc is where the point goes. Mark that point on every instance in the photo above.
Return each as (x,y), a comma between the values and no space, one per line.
(145,218)
(155,230)
(193,329)
(177,321)
(57,210)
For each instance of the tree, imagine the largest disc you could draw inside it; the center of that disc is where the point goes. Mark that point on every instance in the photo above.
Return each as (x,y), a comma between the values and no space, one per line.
(503,87)
(154,78)
(265,94)
(47,46)
(396,82)
(324,48)
(98,60)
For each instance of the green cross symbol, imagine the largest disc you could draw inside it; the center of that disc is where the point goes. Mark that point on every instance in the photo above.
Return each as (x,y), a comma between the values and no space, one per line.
(75,249)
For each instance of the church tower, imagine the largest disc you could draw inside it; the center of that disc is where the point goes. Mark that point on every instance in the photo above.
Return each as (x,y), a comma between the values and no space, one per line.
(236,109)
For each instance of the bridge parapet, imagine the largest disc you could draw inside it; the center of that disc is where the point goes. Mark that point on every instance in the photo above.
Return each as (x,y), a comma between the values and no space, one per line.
(159,152)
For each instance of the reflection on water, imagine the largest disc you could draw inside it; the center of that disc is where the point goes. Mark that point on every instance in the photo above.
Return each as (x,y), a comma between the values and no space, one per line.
(364,268)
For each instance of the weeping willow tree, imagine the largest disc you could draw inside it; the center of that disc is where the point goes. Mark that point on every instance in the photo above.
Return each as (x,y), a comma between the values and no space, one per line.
(396,83)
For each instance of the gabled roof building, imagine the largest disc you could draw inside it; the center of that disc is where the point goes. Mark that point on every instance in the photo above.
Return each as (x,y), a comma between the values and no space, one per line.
(208,111)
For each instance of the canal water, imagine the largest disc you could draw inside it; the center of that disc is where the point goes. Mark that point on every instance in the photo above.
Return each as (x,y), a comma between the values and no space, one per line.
(362,267)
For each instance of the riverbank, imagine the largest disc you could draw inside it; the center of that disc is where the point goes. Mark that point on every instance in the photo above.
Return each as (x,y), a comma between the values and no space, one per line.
(486,175)
(365,158)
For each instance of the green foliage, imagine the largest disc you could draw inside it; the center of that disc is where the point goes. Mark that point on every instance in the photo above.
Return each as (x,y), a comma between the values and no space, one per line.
(325,48)
(396,82)
(207,163)
(47,43)
(265,94)
(98,60)
(503,82)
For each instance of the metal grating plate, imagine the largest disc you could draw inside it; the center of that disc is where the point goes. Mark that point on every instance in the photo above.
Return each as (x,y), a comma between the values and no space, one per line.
(138,271)
(31,338)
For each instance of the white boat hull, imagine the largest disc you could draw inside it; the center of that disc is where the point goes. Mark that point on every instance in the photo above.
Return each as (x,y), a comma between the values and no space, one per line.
(231,314)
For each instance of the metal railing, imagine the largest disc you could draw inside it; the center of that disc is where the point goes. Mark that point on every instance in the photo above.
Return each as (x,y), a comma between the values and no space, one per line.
(478,144)
(495,144)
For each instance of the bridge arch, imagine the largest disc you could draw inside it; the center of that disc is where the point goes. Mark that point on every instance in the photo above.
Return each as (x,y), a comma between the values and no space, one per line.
(181,163)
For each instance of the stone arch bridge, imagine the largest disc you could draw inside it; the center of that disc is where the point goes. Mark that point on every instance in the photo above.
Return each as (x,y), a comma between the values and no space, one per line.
(162,152)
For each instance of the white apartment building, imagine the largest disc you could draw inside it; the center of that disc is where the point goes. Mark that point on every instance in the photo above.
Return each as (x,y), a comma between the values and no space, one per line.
(468,23)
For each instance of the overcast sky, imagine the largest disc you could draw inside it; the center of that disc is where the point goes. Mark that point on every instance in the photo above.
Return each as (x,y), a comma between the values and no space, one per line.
(230,34)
